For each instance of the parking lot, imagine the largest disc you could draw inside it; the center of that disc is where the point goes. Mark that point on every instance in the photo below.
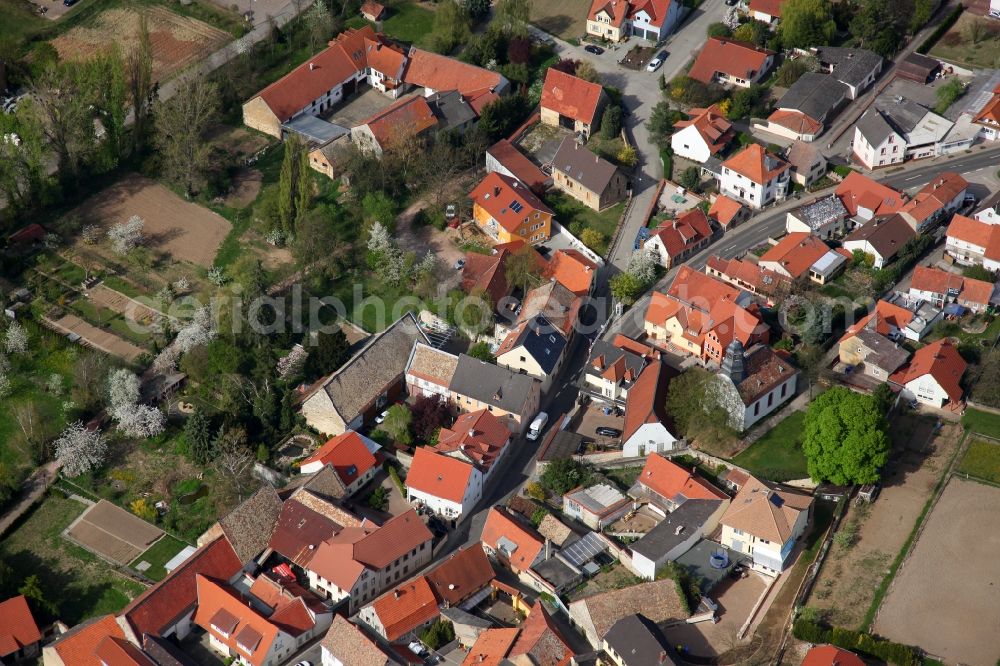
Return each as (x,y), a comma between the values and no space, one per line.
(592,417)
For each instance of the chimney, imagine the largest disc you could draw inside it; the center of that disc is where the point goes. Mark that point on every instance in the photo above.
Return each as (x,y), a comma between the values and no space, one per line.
(395,594)
(451,586)
(548,548)
(496,191)
(663,657)
(312,66)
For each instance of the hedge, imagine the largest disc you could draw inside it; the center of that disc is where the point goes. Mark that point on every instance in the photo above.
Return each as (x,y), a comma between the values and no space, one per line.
(857,641)
(938,33)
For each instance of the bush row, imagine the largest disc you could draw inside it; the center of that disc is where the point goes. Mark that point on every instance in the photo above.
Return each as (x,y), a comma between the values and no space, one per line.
(941,29)
(867,644)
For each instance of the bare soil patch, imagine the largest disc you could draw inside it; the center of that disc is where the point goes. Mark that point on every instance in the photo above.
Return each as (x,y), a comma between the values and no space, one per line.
(119,302)
(566,19)
(847,582)
(113,532)
(177,41)
(184,230)
(246,187)
(105,341)
(946,594)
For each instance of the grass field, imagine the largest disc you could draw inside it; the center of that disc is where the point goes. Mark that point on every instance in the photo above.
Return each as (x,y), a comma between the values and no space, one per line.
(566,19)
(159,554)
(576,217)
(407,22)
(81,585)
(981,460)
(778,454)
(955,46)
(985,423)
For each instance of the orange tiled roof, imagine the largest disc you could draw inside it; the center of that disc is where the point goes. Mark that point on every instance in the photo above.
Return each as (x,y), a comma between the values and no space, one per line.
(347,454)
(491,648)
(541,640)
(571,269)
(384,57)
(796,252)
(113,651)
(976,291)
(628,344)
(933,196)
(725,55)
(462,575)
(439,475)
(769,7)
(441,73)
(860,190)
(222,613)
(479,436)
(372,8)
(990,114)
(975,232)
(701,290)
(686,231)
(724,209)
(406,117)
(941,361)
(764,511)
(880,319)
(828,655)
(571,96)
(78,647)
(747,273)
(713,127)
(499,524)
(507,200)
(618,10)
(756,163)
(646,400)
(935,280)
(406,607)
(17,626)
(670,480)
(518,164)
(796,121)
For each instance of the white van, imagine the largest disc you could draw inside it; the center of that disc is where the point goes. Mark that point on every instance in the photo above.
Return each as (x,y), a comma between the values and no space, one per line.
(537,425)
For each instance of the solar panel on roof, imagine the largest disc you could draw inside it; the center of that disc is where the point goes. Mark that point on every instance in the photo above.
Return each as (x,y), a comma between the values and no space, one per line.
(516,206)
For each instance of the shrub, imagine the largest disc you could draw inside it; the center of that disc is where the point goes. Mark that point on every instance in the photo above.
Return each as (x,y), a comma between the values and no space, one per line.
(394,475)
(942,28)
(534,490)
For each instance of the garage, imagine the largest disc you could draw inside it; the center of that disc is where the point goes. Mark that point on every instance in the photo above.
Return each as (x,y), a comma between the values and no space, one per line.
(651,35)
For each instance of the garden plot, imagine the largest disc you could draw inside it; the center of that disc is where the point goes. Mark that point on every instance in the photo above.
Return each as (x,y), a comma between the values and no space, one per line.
(946,594)
(177,41)
(113,533)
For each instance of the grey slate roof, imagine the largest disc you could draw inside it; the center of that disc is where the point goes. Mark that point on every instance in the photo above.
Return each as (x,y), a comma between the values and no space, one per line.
(491,384)
(822,211)
(556,572)
(890,114)
(542,341)
(611,355)
(689,516)
(639,642)
(852,66)
(560,444)
(802,156)
(887,235)
(874,127)
(451,109)
(816,95)
(886,355)
(578,163)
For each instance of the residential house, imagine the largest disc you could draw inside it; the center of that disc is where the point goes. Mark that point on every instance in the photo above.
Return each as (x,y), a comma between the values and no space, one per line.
(616,20)
(923,315)
(894,129)
(807,163)
(658,600)
(402,611)
(748,276)
(808,106)
(463,579)
(486,274)
(573,270)
(330,157)
(988,117)
(800,255)
(675,240)
(754,383)
(559,305)
(506,210)
(534,347)
(973,242)
(933,376)
(360,562)
(895,321)
(723,60)
(703,135)
(504,157)
(882,238)
(828,655)
(865,198)
(872,353)
(764,522)
(510,396)
(453,112)
(405,118)
(597,506)
(938,199)
(727,213)
(94,642)
(352,456)
(299,530)
(647,428)
(755,177)
(249,525)
(429,371)
(346,644)
(855,68)
(768,11)
(824,217)
(256,634)
(449,477)
(19,635)
(537,641)
(588,178)
(613,369)
(373,11)
(636,641)
(940,288)
(511,542)
(666,486)
(366,383)
(571,102)
(675,535)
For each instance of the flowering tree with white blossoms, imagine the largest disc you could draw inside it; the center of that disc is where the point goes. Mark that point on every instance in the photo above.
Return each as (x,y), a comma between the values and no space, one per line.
(80,450)
(16,339)
(134,419)
(642,265)
(128,236)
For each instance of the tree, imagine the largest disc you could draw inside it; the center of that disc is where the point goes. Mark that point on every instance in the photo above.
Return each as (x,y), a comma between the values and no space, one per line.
(753,32)
(109,88)
(563,474)
(661,124)
(611,121)
(139,73)
(746,102)
(627,156)
(430,414)
(592,238)
(198,436)
(974,31)
(441,632)
(690,178)
(319,23)
(294,185)
(451,27)
(379,499)
(791,70)
(328,350)
(481,350)
(511,17)
(16,339)
(642,265)
(522,268)
(948,93)
(127,236)
(316,245)
(585,70)
(884,396)
(477,9)
(535,490)
(719,30)
(474,313)
(845,439)
(397,424)
(519,50)
(977,272)
(234,460)
(61,103)
(181,126)
(134,419)
(80,450)
(23,161)
(379,207)
(626,288)
(503,115)
(142,508)
(33,591)
(806,23)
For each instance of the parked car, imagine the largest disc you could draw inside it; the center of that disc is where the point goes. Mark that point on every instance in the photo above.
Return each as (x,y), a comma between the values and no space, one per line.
(381,417)
(460,264)
(69,3)
(596,50)
(605,431)
(654,65)
(449,211)
(304,663)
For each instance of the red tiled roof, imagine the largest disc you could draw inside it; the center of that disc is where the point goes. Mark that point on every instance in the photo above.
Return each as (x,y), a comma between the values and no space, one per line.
(372,9)
(571,96)
(713,127)
(976,291)
(746,273)
(492,646)
(618,10)
(113,651)
(247,632)
(17,626)
(738,59)
(347,454)
(884,315)
(990,114)
(686,231)
(941,361)
(935,280)
(398,536)
(796,121)
(161,605)
(541,640)
(500,195)
(78,647)
(500,524)
(670,480)
(975,232)
(507,154)
(934,196)
(406,117)
(479,436)
(724,210)
(406,607)
(32,233)
(299,531)
(646,400)
(386,58)
(860,190)
(828,655)
(571,269)
(441,73)
(796,252)
(769,7)
(701,290)
(756,163)
(293,617)
(462,575)
(628,344)
(439,475)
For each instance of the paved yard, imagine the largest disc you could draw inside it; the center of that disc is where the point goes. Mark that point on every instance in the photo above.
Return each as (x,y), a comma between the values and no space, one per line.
(946,594)
(592,417)
(736,599)
(359,107)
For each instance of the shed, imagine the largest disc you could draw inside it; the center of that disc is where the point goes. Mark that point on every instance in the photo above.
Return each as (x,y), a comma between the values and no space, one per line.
(919,68)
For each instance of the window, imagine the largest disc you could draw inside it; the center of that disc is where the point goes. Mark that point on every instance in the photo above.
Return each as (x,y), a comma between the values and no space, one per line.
(770,399)
(784,388)
(756,408)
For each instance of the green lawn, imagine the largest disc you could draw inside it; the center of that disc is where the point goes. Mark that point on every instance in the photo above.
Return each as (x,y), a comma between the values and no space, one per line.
(80,584)
(159,554)
(982,461)
(576,217)
(985,423)
(777,456)
(407,22)
(566,19)
(956,47)
(624,476)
